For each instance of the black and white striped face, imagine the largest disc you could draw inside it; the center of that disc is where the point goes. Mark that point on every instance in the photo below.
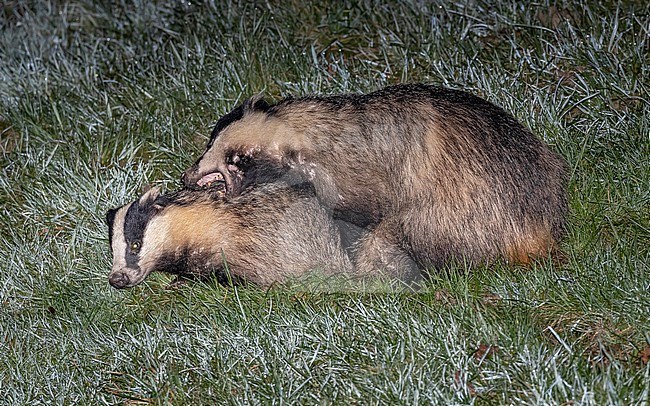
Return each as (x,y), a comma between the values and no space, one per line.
(134,239)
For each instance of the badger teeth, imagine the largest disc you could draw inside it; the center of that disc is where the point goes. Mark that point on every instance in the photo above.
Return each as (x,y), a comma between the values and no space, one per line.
(209,179)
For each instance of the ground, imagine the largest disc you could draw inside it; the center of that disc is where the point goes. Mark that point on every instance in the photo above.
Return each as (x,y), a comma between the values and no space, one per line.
(99,99)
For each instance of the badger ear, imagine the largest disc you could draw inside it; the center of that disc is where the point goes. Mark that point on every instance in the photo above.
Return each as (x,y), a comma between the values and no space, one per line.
(110,217)
(149,196)
(256,103)
(158,207)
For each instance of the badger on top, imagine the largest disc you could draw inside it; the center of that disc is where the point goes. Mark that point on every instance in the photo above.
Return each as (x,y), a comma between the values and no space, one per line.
(438,175)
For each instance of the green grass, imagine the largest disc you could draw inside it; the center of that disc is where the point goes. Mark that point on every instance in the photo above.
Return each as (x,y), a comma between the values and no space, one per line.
(98,99)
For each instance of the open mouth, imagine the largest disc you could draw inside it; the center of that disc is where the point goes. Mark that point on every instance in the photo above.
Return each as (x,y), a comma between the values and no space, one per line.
(210,178)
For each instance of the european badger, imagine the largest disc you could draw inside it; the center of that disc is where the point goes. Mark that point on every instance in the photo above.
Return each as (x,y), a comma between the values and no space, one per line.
(270,234)
(439,175)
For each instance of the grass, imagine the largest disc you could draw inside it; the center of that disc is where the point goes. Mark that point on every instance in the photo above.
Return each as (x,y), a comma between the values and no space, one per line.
(98,99)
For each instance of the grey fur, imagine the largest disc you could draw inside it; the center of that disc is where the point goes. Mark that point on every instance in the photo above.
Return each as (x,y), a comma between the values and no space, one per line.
(438,175)
(268,235)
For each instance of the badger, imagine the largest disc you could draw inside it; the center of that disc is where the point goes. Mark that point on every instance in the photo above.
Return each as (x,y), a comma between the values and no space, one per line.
(269,235)
(439,176)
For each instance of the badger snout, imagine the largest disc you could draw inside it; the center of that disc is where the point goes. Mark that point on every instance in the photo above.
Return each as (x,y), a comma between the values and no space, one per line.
(190,177)
(126,277)
(119,280)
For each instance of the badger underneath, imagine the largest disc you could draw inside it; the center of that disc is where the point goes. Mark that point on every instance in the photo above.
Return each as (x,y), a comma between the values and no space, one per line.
(264,236)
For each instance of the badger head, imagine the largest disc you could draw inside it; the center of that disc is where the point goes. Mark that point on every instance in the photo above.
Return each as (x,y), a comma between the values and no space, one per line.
(133,240)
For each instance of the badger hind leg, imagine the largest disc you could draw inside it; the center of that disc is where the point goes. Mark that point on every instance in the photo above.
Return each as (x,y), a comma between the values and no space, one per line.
(378,255)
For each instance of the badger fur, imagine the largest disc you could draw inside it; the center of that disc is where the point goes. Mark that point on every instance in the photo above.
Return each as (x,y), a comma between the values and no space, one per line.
(271,234)
(439,175)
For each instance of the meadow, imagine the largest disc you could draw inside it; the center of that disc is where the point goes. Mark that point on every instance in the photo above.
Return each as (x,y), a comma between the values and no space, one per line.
(100,98)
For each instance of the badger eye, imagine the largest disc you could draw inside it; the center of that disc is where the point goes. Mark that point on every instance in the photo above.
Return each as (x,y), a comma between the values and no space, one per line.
(135,246)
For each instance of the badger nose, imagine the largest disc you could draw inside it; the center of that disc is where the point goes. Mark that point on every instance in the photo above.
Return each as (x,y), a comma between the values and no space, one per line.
(189,178)
(118,280)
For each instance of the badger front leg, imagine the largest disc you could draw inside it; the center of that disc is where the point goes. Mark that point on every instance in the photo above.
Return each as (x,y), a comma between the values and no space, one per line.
(378,254)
